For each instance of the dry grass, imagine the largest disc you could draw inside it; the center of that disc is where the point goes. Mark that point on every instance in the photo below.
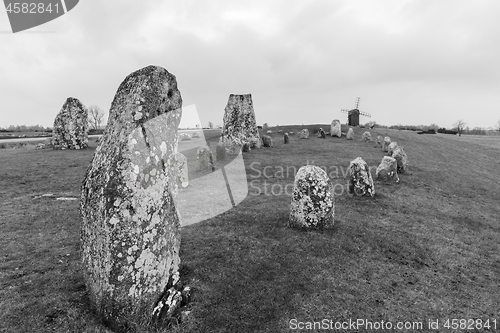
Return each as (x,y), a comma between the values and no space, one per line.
(426,248)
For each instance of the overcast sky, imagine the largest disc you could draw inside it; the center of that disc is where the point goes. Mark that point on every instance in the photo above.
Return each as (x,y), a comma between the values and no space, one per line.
(410,62)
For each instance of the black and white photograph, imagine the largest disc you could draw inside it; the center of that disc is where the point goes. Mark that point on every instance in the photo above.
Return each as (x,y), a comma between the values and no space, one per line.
(262,166)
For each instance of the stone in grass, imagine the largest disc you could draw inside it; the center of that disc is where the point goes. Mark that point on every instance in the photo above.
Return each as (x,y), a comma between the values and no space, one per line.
(220,152)
(204,159)
(70,129)
(350,134)
(181,166)
(312,205)
(269,132)
(196,135)
(184,137)
(246,147)
(335,128)
(304,134)
(321,133)
(267,141)
(387,170)
(279,131)
(255,143)
(366,137)
(130,236)
(386,143)
(239,123)
(391,147)
(291,133)
(402,160)
(286,138)
(360,178)
(378,144)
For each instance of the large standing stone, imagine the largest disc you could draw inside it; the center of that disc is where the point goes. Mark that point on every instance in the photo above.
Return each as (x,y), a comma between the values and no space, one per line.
(130,230)
(239,120)
(360,178)
(181,169)
(386,143)
(286,138)
(267,141)
(71,126)
(204,159)
(391,147)
(366,136)
(380,139)
(265,127)
(350,134)
(387,169)
(321,133)
(312,199)
(402,160)
(304,134)
(335,128)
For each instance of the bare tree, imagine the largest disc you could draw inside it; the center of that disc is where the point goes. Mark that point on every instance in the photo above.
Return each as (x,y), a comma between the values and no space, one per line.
(210,125)
(460,126)
(95,116)
(498,125)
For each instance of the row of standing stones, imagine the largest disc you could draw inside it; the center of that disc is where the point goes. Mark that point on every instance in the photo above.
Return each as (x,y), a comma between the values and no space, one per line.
(130,235)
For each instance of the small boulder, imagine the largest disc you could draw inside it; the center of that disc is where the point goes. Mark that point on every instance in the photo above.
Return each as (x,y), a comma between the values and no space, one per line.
(304,134)
(220,152)
(204,159)
(350,134)
(267,141)
(360,178)
(196,135)
(312,205)
(279,131)
(184,137)
(387,169)
(386,143)
(269,132)
(246,147)
(255,143)
(286,138)
(391,147)
(181,169)
(291,132)
(366,136)
(402,160)
(321,133)
(335,128)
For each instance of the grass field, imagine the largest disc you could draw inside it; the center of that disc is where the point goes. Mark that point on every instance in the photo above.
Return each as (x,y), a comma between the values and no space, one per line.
(427,248)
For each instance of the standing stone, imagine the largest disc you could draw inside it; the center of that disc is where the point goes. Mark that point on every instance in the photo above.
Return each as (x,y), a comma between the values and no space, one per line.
(350,134)
(286,138)
(335,128)
(184,137)
(402,160)
(321,134)
(387,169)
(304,134)
(220,152)
(204,159)
(246,147)
(391,147)
(386,143)
(239,124)
(255,143)
(267,141)
(71,126)
(265,127)
(181,169)
(312,204)
(366,136)
(360,178)
(378,144)
(130,235)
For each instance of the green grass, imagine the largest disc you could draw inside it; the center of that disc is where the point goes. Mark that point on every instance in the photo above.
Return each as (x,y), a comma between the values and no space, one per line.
(426,248)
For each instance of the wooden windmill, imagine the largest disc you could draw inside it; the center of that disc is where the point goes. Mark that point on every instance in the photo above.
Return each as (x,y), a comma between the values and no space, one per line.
(353,115)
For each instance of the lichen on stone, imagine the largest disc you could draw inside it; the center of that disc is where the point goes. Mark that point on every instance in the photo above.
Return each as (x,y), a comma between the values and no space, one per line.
(70,129)
(312,205)
(360,178)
